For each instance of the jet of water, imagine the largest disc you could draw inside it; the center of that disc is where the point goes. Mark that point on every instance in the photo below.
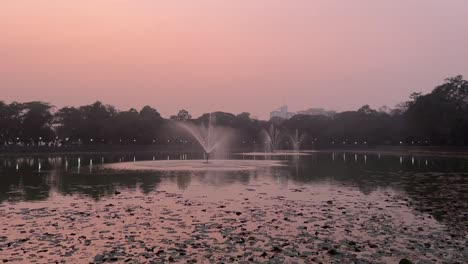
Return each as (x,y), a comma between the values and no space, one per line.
(210,136)
(272,138)
(296,140)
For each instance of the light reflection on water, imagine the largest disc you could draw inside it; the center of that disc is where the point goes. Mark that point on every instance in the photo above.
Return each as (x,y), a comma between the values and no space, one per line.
(72,171)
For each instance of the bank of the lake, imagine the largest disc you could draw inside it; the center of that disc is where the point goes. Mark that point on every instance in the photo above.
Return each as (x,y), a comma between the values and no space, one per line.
(436,151)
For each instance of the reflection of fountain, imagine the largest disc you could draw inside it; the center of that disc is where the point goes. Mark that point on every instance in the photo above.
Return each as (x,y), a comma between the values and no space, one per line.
(210,137)
(296,141)
(272,138)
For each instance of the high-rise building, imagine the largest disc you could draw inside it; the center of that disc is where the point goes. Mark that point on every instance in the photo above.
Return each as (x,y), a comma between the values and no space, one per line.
(282,112)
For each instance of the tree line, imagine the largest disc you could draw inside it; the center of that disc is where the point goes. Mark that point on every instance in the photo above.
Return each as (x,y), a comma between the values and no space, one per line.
(437,118)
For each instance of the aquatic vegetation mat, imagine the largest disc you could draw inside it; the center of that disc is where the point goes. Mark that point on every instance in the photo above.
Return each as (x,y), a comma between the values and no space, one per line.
(251,223)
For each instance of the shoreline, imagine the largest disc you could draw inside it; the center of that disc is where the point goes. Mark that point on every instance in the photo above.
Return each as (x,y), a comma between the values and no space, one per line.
(461,152)
(455,152)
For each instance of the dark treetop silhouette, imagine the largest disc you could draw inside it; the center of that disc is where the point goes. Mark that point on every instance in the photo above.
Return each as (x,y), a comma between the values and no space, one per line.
(437,118)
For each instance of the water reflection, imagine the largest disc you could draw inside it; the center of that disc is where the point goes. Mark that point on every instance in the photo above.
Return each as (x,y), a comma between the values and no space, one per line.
(19,175)
(434,185)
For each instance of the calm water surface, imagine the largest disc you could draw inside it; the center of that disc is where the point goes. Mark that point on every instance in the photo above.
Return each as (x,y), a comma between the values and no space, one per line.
(326,207)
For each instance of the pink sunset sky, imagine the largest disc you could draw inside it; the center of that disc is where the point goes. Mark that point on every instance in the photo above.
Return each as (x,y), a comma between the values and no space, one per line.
(231,55)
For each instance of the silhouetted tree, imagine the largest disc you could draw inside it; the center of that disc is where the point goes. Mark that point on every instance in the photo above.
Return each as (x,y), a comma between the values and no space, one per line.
(36,122)
(10,122)
(441,116)
(150,124)
(248,128)
(70,122)
(89,124)
(182,115)
(436,118)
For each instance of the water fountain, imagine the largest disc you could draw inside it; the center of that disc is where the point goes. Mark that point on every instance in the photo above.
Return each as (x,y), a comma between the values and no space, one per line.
(296,141)
(215,141)
(211,138)
(272,138)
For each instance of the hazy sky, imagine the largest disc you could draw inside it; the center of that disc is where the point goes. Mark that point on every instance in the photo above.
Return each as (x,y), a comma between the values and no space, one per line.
(232,55)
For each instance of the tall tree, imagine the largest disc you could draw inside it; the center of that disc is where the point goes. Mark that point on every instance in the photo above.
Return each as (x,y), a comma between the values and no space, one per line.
(442,115)
(182,115)
(36,122)
(10,122)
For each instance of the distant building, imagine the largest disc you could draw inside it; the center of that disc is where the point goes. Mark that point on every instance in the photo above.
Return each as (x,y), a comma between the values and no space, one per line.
(317,111)
(282,112)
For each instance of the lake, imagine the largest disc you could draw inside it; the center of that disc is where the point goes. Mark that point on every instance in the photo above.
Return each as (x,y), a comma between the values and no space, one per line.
(329,207)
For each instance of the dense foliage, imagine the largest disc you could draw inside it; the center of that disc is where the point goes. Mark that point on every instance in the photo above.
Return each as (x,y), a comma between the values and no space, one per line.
(437,118)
